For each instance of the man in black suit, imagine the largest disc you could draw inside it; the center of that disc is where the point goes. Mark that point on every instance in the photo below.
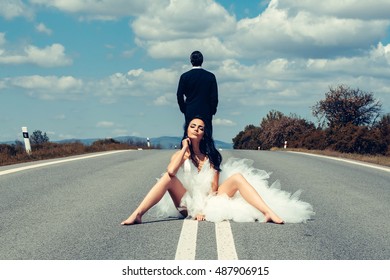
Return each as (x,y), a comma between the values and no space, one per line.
(197,92)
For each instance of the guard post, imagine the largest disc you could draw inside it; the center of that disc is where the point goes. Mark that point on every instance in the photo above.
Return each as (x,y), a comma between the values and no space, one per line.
(148,142)
(26,140)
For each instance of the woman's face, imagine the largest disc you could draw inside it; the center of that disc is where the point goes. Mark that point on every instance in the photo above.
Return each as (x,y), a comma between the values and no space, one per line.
(196,129)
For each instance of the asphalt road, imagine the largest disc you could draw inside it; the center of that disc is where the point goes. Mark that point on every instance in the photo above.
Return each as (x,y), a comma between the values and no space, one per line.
(72,211)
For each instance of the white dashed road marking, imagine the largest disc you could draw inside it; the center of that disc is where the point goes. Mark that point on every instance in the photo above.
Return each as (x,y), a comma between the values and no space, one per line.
(186,248)
(225,242)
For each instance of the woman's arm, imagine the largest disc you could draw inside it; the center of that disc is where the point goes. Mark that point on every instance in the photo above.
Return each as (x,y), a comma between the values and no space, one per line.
(178,159)
(215,182)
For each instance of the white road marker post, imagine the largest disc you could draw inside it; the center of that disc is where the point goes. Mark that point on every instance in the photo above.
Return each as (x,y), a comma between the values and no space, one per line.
(148,142)
(285,144)
(26,140)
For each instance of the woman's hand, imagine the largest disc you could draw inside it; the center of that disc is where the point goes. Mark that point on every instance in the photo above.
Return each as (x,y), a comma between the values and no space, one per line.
(178,158)
(186,143)
(211,192)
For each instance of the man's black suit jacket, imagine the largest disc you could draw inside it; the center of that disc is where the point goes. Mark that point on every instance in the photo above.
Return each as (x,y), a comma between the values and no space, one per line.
(199,87)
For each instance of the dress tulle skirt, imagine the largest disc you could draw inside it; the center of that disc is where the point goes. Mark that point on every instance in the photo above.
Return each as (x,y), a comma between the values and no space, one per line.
(216,208)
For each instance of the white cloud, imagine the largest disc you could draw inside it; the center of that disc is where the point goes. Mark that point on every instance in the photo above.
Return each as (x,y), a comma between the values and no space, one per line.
(49,87)
(184,19)
(47,82)
(299,82)
(279,82)
(2,42)
(66,136)
(168,99)
(278,32)
(60,117)
(287,28)
(291,52)
(15,8)
(232,70)
(344,9)
(120,132)
(128,53)
(43,29)
(105,124)
(380,54)
(176,29)
(223,122)
(375,63)
(284,29)
(2,38)
(98,10)
(171,29)
(50,56)
(211,47)
(136,82)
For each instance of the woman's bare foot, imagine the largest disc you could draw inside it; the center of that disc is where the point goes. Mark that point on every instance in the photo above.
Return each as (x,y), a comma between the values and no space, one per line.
(272,217)
(135,218)
(200,217)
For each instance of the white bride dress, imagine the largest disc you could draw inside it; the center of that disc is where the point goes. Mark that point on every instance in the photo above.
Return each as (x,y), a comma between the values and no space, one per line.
(216,208)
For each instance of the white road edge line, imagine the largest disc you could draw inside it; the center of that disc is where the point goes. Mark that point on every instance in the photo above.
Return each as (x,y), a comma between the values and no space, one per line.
(186,247)
(346,160)
(4,172)
(225,242)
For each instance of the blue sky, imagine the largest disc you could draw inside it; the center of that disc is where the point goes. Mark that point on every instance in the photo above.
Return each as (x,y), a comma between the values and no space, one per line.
(107,68)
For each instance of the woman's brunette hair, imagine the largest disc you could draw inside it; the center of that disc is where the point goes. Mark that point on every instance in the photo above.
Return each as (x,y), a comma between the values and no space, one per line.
(206,146)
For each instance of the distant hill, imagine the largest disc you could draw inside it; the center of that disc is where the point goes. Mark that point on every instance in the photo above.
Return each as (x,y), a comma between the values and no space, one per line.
(223,145)
(168,142)
(86,142)
(164,142)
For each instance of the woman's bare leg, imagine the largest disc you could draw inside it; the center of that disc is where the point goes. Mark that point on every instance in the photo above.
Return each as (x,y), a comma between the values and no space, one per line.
(238,183)
(164,184)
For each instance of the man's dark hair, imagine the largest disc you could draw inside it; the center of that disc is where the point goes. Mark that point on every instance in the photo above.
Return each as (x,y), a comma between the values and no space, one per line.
(196,58)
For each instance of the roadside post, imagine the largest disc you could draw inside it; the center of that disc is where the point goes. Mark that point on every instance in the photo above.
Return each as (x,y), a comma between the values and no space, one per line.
(26,140)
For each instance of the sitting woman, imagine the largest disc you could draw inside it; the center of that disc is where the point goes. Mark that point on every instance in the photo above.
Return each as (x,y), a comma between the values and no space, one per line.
(192,182)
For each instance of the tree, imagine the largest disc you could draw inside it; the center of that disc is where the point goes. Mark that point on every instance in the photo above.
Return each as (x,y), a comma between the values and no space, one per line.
(343,105)
(248,139)
(272,116)
(277,128)
(274,129)
(39,138)
(356,139)
(384,127)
